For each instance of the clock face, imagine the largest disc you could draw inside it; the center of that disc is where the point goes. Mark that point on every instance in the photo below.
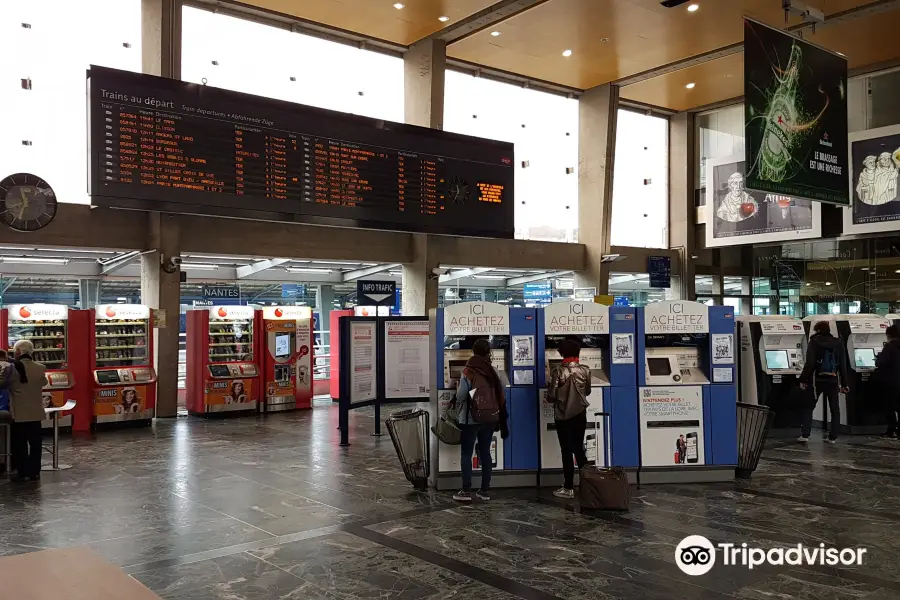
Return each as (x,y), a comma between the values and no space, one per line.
(27,202)
(457,190)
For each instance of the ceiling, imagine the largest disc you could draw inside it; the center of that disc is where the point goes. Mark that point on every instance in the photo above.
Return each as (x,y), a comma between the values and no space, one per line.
(610,40)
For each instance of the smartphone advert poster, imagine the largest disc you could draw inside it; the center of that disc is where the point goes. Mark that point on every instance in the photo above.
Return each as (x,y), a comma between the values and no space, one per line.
(671,426)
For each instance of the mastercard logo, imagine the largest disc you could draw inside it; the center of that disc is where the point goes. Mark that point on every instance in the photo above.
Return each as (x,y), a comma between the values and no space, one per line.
(24,312)
(110,312)
(223,313)
(279,312)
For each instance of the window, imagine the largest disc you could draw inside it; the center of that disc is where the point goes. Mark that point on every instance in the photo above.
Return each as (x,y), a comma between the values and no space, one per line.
(640,210)
(720,133)
(48,45)
(544,128)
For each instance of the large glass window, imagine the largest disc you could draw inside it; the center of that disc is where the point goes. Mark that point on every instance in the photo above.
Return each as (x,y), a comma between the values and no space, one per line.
(640,210)
(720,133)
(277,63)
(45,48)
(544,128)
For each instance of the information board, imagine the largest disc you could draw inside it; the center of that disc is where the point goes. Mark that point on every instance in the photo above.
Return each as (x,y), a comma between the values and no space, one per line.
(162,144)
(406,359)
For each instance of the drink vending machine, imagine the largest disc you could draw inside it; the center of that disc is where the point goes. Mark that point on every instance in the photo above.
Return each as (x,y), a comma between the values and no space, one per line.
(123,376)
(607,339)
(770,365)
(222,350)
(47,326)
(862,336)
(686,392)
(511,333)
(287,358)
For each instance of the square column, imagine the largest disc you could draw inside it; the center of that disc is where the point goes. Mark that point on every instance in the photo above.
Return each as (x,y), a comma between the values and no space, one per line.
(419,284)
(597,118)
(424,69)
(161,38)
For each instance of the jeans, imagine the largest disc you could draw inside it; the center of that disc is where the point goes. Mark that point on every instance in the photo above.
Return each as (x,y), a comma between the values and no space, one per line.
(571,442)
(26,448)
(483,433)
(830,390)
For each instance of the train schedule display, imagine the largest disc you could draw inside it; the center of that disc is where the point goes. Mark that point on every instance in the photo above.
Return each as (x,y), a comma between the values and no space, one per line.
(161,144)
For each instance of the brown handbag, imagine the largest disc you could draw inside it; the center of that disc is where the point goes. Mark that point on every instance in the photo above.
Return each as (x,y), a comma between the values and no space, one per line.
(604,489)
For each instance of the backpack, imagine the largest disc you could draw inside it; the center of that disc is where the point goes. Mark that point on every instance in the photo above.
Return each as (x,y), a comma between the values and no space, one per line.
(828,365)
(484,406)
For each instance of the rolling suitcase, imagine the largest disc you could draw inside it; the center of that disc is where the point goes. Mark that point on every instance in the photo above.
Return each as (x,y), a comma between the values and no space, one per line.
(604,488)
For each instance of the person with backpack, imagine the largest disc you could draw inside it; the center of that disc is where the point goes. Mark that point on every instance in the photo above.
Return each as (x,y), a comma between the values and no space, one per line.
(481,401)
(567,391)
(826,369)
(887,376)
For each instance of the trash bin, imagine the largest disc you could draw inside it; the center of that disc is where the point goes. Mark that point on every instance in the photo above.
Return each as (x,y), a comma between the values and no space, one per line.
(409,432)
(753,427)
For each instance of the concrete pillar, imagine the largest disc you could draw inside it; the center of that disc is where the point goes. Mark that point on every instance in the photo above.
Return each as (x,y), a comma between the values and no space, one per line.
(324,304)
(161,38)
(424,69)
(419,284)
(161,289)
(682,212)
(746,295)
(597,120)
(88,293)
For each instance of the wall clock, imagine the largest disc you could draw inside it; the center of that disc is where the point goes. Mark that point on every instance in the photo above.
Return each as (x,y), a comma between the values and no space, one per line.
(27,202)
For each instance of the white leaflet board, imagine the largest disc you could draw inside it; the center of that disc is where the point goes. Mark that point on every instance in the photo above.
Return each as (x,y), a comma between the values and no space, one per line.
(595,442)
(406,373)
(671,426)
(623,348)
(363,366)
(449,456)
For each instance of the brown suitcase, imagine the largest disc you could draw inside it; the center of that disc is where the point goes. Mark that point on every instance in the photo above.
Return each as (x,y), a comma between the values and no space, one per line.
(604,489)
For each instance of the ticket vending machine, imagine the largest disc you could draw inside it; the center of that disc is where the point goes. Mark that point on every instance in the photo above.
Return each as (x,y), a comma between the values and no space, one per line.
(771,361)
(512,335)
(687,392)
(123,376)
(606,335)
(287,358)
(863,337)
(222,350)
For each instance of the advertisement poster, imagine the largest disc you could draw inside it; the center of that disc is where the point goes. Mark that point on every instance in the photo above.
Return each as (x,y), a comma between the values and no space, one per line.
(736,215)
(230,391)
(363,381)
(671,426)
(124,402)
(875,164)
(406,359)
(523,350)
(623,348)
(795,119)
(723,348)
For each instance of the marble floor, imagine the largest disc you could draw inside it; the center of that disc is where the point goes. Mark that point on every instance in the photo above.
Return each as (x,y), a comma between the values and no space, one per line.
(272,507)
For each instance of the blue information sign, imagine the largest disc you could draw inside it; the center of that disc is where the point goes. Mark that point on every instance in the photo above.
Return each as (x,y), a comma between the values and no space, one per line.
(620,301)
(293,290)
(541,291)
(660,268)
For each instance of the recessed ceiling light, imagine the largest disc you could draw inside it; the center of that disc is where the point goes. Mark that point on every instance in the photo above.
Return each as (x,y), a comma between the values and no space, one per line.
(567,53)
(604,40)
(691,85)
(443,19)
(398,6)
(495,33)
(693,7)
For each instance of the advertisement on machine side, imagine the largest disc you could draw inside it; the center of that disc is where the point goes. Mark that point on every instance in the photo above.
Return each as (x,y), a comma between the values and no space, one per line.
(623,348)
(363,370)
(406,359)
(120,400)
(723,348)
(671,426)
(230,391)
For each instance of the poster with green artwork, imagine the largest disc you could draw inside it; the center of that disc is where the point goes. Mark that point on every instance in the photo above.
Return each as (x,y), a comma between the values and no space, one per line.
(795,102)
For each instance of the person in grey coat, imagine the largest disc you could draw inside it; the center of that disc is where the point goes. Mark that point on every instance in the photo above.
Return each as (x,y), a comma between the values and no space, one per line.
(26,381)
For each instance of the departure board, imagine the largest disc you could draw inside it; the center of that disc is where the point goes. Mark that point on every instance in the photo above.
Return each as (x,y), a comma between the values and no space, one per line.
(166,145)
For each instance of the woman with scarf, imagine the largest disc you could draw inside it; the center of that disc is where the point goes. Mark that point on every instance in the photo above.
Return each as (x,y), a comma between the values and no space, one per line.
(479,375)
(26,380)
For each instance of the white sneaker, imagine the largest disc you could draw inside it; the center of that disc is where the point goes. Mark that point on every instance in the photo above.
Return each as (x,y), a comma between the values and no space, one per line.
(564,493)
(802,439)
(831,440)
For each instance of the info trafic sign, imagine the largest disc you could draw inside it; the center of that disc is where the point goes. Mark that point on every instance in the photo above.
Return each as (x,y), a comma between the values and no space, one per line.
(375,293)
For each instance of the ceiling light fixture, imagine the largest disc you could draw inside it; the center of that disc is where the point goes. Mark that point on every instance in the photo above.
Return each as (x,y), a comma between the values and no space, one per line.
(693,8)
(398,6)
(691,85)
(308,270)
(567,53)
(495,33)
(35,260)
(443,19)
(199,266)
(497,277)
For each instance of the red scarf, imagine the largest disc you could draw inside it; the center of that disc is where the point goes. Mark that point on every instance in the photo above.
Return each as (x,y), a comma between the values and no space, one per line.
(567,361)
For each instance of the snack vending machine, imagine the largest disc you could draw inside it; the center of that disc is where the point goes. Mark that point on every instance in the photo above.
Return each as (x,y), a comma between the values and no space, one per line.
(222,350)
(123,374)
(287,358)
(47,327)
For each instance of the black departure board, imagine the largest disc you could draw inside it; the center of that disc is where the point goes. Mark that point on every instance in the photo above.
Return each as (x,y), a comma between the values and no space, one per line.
(166,145)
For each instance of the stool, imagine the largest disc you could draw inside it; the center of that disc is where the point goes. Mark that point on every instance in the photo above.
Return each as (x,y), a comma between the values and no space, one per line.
(53,412)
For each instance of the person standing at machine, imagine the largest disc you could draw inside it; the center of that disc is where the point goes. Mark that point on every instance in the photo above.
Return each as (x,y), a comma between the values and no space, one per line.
(25,381)
(826,369)
(482,411)
(567,391)
(887,374)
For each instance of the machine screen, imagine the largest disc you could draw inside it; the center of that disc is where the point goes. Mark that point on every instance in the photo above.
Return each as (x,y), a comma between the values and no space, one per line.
(282,345)
(107,377)
(219,371)
(659,366)
(864,357)
(777,359)
(456,369)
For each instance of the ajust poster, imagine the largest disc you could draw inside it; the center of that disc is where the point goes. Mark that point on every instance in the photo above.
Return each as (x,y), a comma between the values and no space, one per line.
(874,167)
(671,426)
(736,215)
(363,369)
(795,116)
(406,359)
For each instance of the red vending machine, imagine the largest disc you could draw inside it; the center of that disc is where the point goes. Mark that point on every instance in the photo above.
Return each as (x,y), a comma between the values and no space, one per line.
(123,376)
(287,358)
(47,327)
(222,372)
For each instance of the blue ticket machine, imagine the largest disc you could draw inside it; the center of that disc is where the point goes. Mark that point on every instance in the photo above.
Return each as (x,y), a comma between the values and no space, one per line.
(512,334)
(687,392)
(607,338)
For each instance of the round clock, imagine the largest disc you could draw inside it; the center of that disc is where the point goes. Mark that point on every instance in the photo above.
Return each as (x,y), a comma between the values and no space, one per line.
(27,202)
(457,190)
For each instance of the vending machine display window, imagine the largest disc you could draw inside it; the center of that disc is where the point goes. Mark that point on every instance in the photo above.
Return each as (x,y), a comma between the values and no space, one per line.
(230,340)
(864,357)
(48,337)
(122,342)
(777,359)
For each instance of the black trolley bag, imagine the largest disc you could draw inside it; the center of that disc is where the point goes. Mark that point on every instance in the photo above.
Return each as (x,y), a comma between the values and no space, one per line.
(604,488)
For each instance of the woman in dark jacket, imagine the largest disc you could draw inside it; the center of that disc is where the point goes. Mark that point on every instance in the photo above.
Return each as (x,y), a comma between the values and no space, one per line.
(887,374)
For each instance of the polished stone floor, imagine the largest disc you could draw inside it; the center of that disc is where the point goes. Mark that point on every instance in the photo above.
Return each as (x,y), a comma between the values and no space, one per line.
(259,508)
